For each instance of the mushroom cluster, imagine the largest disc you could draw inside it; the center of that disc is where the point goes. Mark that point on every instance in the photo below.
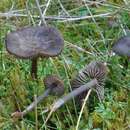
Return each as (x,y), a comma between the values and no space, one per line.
(34,42)
(44,42)
(97,72)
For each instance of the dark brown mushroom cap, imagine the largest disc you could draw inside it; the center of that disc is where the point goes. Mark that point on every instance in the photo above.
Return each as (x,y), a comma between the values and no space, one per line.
(122,46)
(56,85)
(32,42)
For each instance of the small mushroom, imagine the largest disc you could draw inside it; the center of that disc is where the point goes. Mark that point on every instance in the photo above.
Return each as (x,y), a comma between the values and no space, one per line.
(54,86)
(34,42)
(122,48)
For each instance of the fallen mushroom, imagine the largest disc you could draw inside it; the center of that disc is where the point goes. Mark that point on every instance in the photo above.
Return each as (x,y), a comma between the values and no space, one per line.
(94,70)
(122,48)
(34,42)
(91,77)
(54,86)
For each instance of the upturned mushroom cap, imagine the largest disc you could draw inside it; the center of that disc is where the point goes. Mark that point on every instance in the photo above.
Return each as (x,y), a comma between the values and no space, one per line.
(94,70)
(32,42)
(55,84)
(122,46)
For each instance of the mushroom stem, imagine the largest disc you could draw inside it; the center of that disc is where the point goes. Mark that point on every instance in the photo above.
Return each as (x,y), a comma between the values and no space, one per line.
(34,103)
(34,68)
(126,63)
(71,95)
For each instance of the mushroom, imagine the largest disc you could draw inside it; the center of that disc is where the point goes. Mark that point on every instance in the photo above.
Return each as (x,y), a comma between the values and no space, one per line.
(54,86)
(91,77)
(122,48)
(34,42)
(94,70)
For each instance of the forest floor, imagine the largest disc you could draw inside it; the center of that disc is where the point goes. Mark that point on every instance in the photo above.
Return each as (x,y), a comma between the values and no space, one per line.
(89,29)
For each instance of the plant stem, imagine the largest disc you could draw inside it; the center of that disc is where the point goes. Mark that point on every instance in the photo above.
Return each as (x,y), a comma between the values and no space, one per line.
(34,68)
(81,111)
(36,117)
